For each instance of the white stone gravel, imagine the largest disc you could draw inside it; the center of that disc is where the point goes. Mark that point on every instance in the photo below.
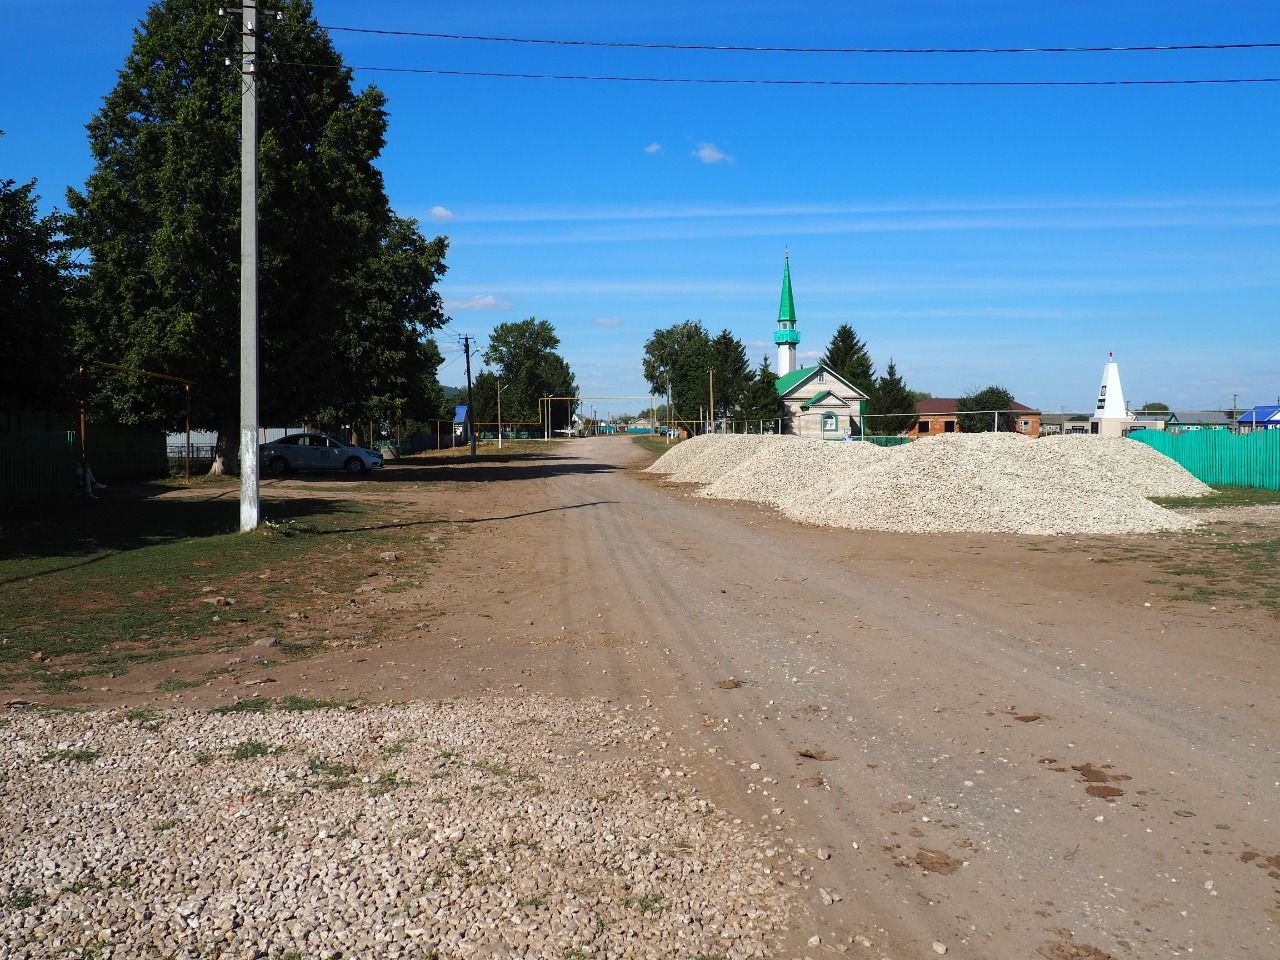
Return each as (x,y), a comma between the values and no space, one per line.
(770,476)
(953,483)
(497,828)
(685,450)
(713,460)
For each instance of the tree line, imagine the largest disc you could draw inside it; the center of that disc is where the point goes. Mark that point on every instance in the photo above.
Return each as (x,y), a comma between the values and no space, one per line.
(347,288)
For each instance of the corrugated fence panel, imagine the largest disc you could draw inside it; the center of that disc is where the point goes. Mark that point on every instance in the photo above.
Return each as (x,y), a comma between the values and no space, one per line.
(38,464)
(40,457)
(1221,458)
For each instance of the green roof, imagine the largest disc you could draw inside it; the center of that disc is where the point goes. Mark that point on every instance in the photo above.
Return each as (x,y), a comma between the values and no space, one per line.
(816,398)
(787,308)
(789,380)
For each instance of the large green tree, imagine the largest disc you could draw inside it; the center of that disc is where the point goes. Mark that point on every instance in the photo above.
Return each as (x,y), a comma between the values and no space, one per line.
(679,357)
(990,400)
(524,355)
(33,317)
(847,355)
(895,404)
(760,400)
(345,288)
(732,373)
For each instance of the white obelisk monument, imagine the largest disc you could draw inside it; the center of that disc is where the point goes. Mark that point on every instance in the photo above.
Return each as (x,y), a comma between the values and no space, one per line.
(1112,417)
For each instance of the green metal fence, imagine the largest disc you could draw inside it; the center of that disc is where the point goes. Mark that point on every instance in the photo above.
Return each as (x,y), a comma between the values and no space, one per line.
(38,464)
(39,457)
(1221,458)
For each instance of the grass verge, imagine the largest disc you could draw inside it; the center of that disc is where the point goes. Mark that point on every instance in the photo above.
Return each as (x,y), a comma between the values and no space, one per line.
(92,587)
(1224,497)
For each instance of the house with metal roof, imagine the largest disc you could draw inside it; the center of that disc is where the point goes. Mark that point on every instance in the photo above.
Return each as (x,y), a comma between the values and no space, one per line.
(818,401)
(1265,416)
(941,415)
(1178,420)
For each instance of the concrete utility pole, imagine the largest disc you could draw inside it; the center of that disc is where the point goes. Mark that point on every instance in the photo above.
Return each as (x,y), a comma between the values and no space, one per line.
(470,421)
(249,507)
(499,414)
(711,399)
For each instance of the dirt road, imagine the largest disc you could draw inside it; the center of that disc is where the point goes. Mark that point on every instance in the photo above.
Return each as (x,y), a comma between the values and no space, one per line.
(1024,767)
(996,746)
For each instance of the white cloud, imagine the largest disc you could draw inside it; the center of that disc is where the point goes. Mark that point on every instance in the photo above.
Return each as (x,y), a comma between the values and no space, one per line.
(710,153)
(608,323)
(653,148)
(485,301)
(440,214)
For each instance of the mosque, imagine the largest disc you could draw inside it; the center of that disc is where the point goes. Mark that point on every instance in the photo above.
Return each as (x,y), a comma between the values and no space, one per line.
(818,402)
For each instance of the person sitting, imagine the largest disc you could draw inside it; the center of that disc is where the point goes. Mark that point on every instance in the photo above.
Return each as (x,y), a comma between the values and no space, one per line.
(87,481)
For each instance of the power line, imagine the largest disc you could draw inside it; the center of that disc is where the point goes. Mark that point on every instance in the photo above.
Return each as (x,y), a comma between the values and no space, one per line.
(757,81)
(734,48)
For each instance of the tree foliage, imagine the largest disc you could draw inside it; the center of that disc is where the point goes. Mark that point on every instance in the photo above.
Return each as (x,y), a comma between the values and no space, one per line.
(346,289)
(847,356)
(33,317)
(732,373)
(524,353)
(1154,407)
(991,399)
(679,357)
(895,403)
(760,399)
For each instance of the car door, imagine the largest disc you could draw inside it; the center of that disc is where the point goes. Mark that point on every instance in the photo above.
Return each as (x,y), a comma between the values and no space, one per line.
(333,454)
(310,448)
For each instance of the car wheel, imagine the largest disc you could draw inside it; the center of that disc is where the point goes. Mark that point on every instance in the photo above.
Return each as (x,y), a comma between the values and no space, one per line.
(278,466)
(354,465)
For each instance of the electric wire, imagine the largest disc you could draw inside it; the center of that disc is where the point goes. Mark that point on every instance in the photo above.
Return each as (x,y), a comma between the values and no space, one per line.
(735,48)
(772,82)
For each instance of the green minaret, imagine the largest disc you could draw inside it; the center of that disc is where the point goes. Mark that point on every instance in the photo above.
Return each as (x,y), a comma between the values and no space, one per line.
(786,336)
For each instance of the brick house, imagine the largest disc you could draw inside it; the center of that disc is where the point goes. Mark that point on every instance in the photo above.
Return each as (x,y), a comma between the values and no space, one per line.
(938,415)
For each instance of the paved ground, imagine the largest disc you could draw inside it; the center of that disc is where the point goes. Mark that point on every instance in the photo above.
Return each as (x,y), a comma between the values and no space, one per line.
(992,745)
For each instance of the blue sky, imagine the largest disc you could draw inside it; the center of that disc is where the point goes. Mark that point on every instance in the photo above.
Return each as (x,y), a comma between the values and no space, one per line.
(975,235)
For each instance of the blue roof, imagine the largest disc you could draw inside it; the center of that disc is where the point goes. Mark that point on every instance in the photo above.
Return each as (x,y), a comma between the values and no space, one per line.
(1261,413)
(460,413)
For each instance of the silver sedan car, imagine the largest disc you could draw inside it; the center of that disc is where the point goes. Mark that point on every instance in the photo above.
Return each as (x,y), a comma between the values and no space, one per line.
(315,451)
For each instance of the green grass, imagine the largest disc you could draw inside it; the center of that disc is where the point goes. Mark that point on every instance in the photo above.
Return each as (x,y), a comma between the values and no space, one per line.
(92,587)
(655,445)
(333,773)
(1224,497)
(72,756)
(253,749)
(649,903)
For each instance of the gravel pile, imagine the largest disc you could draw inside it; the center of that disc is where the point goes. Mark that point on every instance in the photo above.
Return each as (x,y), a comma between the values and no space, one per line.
(999,483)
(1116,463)
(770,476)
(681,453)
(529,827)
(720,456)
(953,483)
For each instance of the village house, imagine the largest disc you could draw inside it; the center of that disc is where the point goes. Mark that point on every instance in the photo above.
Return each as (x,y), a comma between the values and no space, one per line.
(939,415)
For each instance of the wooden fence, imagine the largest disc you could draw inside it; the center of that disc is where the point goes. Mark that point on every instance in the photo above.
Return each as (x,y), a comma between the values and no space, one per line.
(1221,458)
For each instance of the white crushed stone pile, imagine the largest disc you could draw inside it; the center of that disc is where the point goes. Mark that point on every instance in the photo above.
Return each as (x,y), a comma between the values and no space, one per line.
(1117,463)
(681,452)
(531,827)
(719,457)
(962,483)
(771,475)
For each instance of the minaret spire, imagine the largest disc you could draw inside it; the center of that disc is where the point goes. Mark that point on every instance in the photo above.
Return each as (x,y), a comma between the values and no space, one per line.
(786,336)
